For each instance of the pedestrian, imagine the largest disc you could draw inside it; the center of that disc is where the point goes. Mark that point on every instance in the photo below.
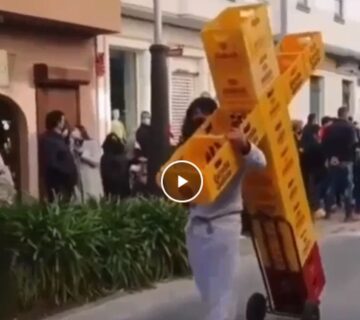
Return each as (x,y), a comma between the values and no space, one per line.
(143,134)
(114,167)
(213,231)
(87,154)
(307,136)
(314,162)
(58,169)
(7,186)
(339,143)
(325,123)
(139,173)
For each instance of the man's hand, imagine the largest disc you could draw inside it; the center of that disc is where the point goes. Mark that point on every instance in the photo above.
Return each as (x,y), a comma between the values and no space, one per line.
(239,140)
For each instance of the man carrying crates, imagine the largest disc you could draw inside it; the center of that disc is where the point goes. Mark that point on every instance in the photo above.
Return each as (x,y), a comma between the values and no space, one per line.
(254,83)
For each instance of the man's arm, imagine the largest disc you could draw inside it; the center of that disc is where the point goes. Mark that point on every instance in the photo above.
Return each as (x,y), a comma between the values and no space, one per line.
(254,157)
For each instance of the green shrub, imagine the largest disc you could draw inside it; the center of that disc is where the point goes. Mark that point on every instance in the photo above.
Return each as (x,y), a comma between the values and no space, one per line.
(60,253)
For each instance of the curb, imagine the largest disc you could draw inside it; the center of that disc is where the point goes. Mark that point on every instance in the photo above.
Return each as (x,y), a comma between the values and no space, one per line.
(129,306)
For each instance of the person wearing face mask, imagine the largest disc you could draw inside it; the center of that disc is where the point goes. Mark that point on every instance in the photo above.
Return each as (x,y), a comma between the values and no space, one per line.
(87,154)
(143,134)
(58,169)
(213,231)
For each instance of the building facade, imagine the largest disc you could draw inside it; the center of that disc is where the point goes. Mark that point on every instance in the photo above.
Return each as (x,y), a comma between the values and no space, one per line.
(336,82)
(126,84)
(47,62)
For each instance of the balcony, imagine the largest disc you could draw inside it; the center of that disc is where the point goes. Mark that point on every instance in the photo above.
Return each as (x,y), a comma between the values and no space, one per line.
(91,16)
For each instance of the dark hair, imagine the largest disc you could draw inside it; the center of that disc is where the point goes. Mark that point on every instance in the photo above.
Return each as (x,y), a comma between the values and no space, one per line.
(113,145)
(83,131)
(311,118)
(325,120)
(206,105)
(342,111)
(53,119)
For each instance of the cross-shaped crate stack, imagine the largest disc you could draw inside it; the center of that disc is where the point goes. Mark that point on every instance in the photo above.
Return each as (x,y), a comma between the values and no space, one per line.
(255,83)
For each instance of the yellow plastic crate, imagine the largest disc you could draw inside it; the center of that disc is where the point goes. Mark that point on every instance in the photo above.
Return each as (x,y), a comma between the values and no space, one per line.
(310,44)
(215,158)
(270,243)
(241,56)
(294,73)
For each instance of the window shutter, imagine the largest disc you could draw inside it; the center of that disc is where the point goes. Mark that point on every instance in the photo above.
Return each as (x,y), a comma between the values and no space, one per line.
(182,93)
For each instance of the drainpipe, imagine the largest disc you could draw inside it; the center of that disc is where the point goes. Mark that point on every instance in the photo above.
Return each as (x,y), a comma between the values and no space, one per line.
(283,17)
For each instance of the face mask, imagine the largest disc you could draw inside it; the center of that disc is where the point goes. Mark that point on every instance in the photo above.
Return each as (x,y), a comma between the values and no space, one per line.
(146,121)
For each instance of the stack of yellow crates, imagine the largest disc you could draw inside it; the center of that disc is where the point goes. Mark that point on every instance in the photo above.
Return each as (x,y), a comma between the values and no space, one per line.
(255,83)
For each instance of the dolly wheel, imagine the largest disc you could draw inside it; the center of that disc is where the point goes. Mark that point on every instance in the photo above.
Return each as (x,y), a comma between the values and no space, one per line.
(256,307)
(311,311)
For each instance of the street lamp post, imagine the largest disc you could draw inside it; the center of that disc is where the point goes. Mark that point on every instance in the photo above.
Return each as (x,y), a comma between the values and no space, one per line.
(159,102)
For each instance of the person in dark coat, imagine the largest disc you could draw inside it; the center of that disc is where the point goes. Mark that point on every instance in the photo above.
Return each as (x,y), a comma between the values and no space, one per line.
(314,162)
(143,135)
(307,137)
(58,169)
(339,143)
(114,166)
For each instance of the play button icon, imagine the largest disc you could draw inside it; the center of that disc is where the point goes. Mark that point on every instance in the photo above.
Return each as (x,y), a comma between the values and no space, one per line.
(181,181)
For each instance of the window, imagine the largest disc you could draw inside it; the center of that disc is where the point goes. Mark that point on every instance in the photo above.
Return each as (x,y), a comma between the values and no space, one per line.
(303,5)
(317,96)
(339,11)
(347,94)
(182,93)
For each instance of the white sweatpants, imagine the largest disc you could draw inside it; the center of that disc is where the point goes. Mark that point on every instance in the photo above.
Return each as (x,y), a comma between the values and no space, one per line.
(215,261)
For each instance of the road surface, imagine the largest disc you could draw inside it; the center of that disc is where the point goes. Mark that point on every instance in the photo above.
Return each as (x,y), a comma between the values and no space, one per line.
(341,257)
(178,300)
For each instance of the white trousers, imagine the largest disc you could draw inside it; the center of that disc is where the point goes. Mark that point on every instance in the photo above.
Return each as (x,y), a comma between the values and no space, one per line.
(214,255)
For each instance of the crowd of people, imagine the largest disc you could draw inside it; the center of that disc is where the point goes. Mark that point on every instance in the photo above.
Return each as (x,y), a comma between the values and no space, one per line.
(75,166)
(329,155)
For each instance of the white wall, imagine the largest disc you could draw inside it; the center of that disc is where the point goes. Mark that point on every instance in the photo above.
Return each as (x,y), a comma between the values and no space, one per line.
(137,35)
(321,18)
(198,9)
(300,107)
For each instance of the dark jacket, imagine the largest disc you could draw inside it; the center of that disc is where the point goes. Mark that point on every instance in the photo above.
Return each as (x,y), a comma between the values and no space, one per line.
(307,137)
(115,168)
(339,141)
(143,138)
(314,161)
(57,164)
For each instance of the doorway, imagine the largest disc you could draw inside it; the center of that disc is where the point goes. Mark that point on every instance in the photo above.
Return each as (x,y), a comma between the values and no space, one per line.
(13,142)
(123,87)
(316,96)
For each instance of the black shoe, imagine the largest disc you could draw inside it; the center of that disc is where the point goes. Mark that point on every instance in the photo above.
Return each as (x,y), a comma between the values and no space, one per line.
(350,219)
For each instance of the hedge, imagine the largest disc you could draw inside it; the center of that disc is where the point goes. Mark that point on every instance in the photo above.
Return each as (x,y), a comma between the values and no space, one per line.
(59,254)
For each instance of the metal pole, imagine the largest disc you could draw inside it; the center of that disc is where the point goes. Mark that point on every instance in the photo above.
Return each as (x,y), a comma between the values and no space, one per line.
(160,147)
(157,22)
(283,18)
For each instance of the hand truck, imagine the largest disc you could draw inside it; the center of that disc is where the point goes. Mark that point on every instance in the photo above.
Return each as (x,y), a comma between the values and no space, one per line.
(287,293)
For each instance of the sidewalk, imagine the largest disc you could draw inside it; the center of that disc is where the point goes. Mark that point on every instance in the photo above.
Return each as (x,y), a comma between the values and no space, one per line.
(141,305)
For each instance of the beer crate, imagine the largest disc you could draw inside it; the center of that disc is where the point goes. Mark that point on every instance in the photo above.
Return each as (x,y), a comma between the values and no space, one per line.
(241,56)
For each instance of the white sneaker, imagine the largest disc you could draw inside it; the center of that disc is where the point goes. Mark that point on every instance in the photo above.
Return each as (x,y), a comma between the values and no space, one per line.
(319,214)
